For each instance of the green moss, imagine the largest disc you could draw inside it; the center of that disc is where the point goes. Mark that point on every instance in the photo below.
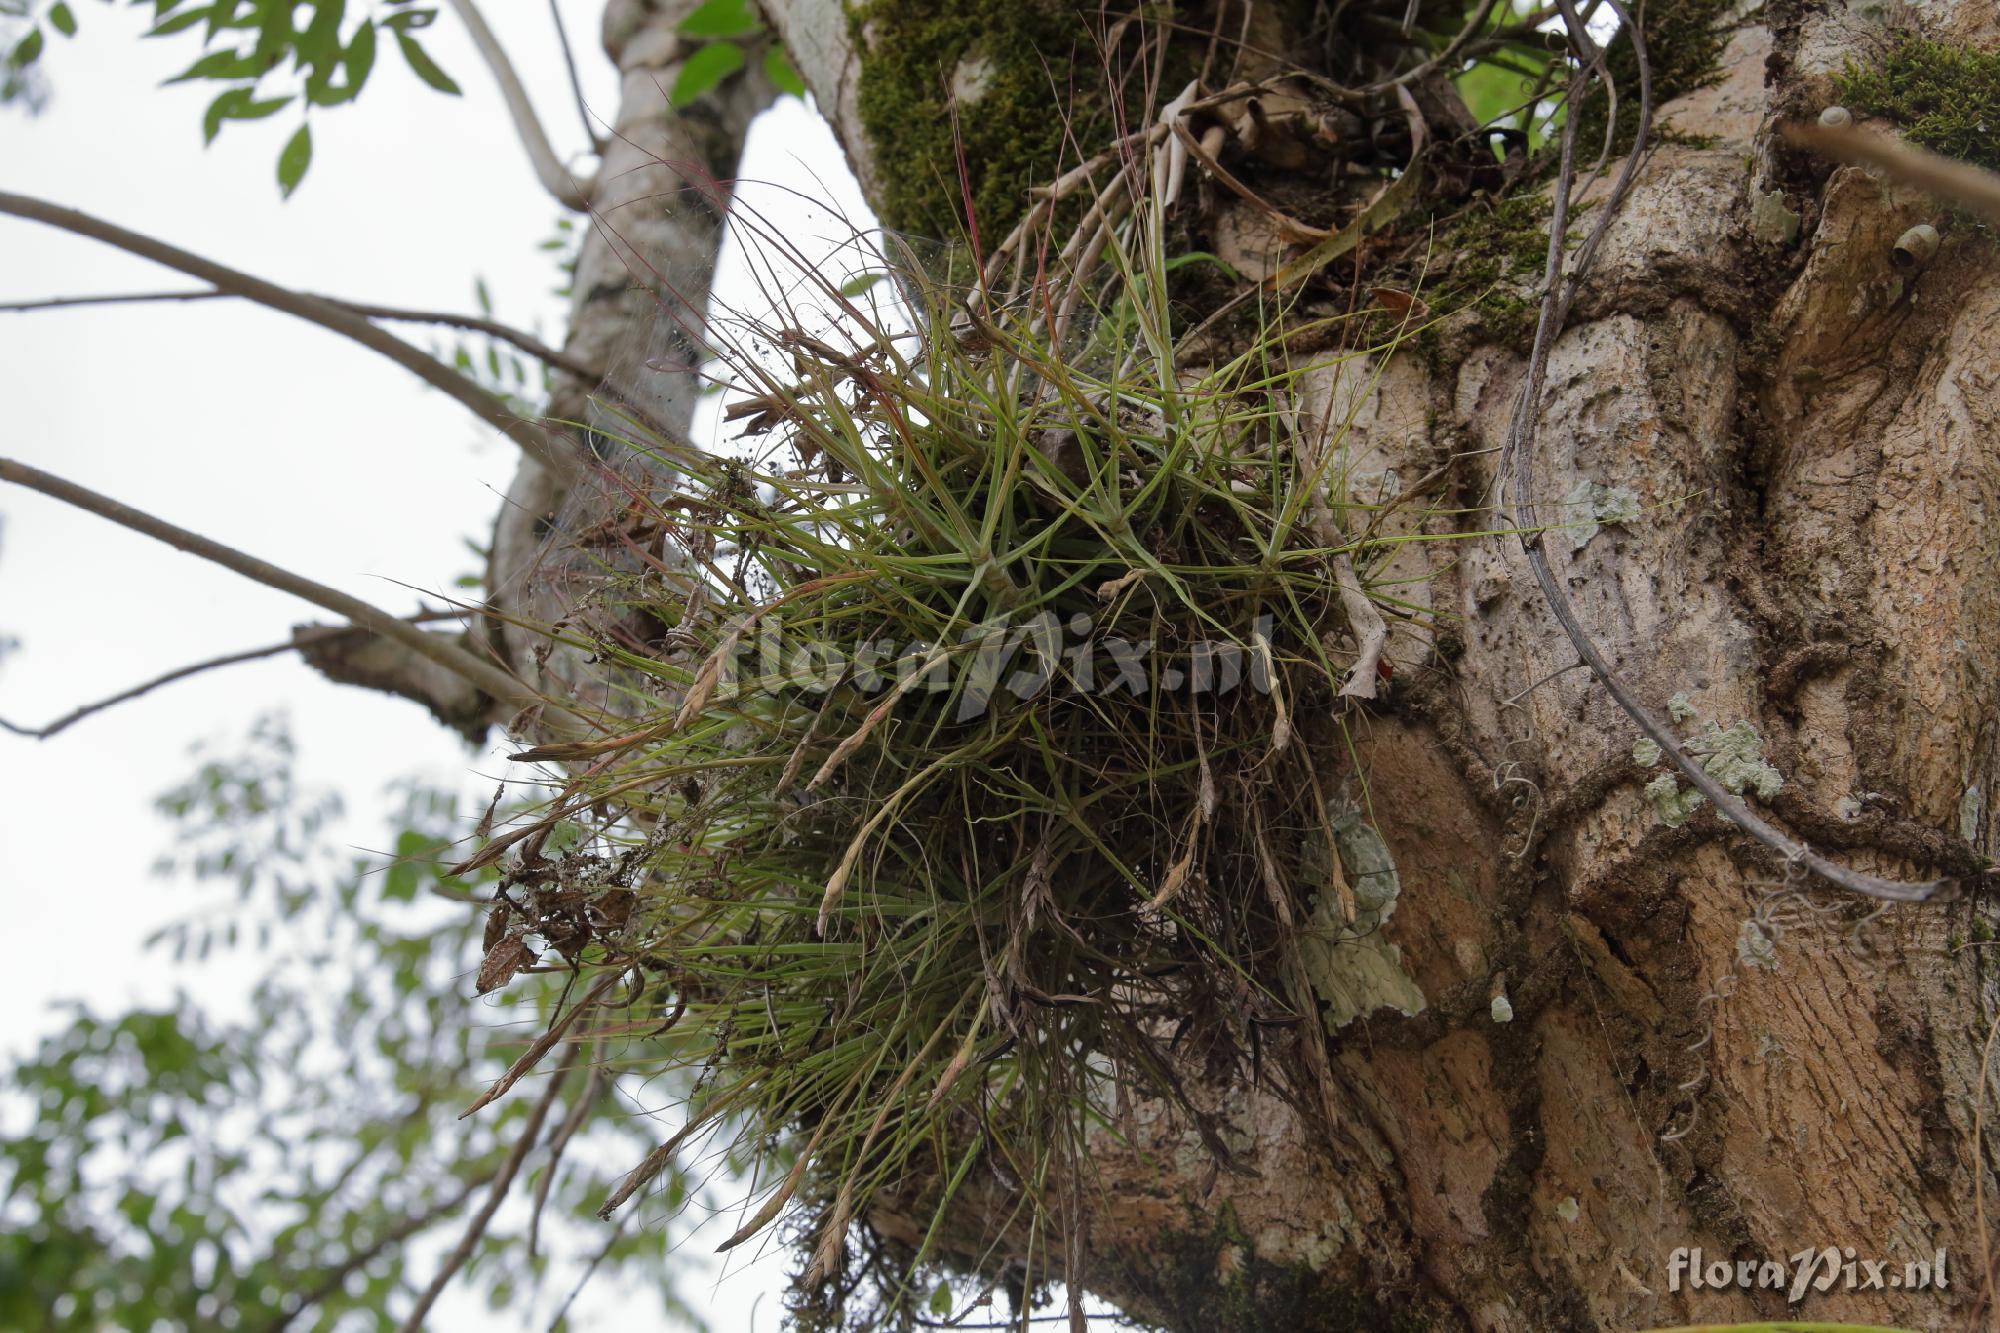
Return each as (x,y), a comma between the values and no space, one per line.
(1945,98)
(1013,127)
(1684,41)
(1497,248)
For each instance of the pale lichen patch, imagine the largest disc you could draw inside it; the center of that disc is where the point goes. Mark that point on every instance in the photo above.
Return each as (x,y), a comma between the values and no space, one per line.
(1350,966)
(1591,505)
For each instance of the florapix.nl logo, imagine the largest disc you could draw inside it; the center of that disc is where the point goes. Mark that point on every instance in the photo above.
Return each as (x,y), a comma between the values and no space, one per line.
(1810,1270)
(1024,657)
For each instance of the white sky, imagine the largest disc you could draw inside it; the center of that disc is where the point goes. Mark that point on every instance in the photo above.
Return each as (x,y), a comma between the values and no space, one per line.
(269,435)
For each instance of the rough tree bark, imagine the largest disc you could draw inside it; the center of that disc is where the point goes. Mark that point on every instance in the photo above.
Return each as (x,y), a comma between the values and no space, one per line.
(1810,435)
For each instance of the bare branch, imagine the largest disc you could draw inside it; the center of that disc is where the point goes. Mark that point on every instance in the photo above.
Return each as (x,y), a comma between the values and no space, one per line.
(1557,296)
(437,648)
(353,656)
(113,298)
(304,635)
(553,451)
(1955,182)
(395,1235)
(477,1227)
(555,177)
(575,84)
(593,1087)
(78,714)
(492,328)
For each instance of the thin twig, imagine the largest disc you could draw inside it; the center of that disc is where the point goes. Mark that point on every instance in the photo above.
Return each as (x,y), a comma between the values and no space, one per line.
(501,1182)
(597,141)
(1556,298)
(554,451)
(549,169)
(531,1057)
(589,1270)
(492,328)
(1956,182)
(337,1277)
(309,634)
(436,647)
(593,1085)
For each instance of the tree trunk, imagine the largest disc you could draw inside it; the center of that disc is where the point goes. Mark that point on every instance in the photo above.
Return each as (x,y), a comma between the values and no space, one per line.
(656,209)
(1633,1037)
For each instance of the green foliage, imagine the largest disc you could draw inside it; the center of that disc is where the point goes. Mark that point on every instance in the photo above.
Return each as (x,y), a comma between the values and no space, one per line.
(725,26)
(703,70)
(292,163)
(270,55)
(1944,98)
(179,1171)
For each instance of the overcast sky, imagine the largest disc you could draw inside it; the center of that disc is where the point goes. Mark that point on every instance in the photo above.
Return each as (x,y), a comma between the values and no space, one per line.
(269,435)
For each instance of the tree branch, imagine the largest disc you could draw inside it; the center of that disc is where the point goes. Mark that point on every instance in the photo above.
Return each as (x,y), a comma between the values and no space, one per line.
(395,1235)
(555,177)
(492,328)
(575,83)
(477,1228)
(302,637)
(436,648)
(554,451)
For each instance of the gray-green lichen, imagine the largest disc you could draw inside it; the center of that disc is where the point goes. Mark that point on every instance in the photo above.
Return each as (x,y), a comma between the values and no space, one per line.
(1770,219)
(1350,966)
(1733,756)
(1590,505)
(1673,803)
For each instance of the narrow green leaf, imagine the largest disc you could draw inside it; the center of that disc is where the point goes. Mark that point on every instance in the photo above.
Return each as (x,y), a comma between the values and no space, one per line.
(218,111)
(779,69)
(222,65)
(62,20)
(423,66)
(703,70)
(292,163)
(720,18)
(173,23)
(27,50)
(357,60)
(360,55)
(859,286)
(410,20)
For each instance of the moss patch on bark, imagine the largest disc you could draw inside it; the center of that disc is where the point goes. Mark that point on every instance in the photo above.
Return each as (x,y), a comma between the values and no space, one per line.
(997,63)
(1944,98)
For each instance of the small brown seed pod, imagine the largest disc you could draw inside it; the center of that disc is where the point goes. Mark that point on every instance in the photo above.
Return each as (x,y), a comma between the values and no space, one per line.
(1915,247)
